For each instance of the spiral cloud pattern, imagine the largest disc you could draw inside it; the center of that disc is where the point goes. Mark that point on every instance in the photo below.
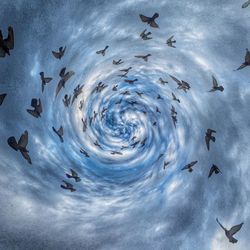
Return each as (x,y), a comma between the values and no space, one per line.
(133,193)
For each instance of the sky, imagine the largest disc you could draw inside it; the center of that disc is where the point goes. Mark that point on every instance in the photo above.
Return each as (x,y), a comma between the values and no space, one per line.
(126,201)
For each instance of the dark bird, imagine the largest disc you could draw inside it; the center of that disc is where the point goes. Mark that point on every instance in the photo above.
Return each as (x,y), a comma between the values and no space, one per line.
(162,81)
(139,93)
(231,232)
(59,132)
(245,4)
(102,51)
(126,92)
(214,169)
(247,60)
(126,70)
(209,137)
(81,104)
(118,62)
(216,86)
(145,36)
(82,151)
(6,44)
(66,100)
(175,99)
(100,87)
(21,145)
(64,78)
(181,84)
(159,157)
(134,144)
(44,80)
(143,141)
(115,153)
(85,124)
(157,110)
(115,87)
(2,97)
(59,54)
(165,164)
(73,175)
(130,81)
(37,105)
(123,75)
(170,42)
(174,119)
(96,143)
(145,58)
(159,97)
(77,92)
(189,166)
(173,111)
(68,186)
(150,20)
(124,147)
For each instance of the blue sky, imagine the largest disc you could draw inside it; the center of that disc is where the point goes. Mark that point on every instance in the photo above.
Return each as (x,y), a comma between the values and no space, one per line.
(125,201)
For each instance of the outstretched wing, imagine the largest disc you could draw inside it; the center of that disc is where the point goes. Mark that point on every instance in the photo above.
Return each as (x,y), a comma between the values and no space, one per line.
(154,24)
(62,72)
(247,57)
(220,224)
(215,83)
(211,171)
(235,229)
(33,113)
(56,54)
(59,86)
(207,141)
(60,131)
(245,5)
(73,173)
(9,41)
(243,65)
(23,141)
(176,80)
(144,18)
(13,143)
(2,96)
(68,75)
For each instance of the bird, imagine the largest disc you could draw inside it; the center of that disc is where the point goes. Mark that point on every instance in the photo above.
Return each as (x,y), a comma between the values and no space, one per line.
(100,87)
(134,144)
(174,119)
(66,100)
(59,132)
(44,80)
(150,20)
(116,153)
(126,70)
(173,111)
(231,232)
(175,99)
(145,58)
(77,92)
(159,97)
(216,86)
(181,84)
(73,175)
(82,151)
(123,75)
(126,92)
(96,143)
(115,87)
(60,53)
(64,78)
(170,42)
(189,166)
(143,141)
(145,36)
(157,110)
(139,93)
(85,124)
(245,4)
(6,44)
(209,137)
(102,51)
(21,145)
(81,104)
(213,169)
(162,81)
(68,186)
(247,60)
(37,105)
(118,62)
(130,81)
(2,97)
(165,164)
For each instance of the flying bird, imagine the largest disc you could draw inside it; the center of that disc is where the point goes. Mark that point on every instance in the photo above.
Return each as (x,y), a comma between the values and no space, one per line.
(130,81)
(231,232)
(216,86)
(213,169)
(245,4)
(118,62)
(77,92)
(2,97)
(68,186)
(37,105)
(73,175)
(174,119)
(170,42)
(82,151)
(165,164)
(64,78)
(209,136)
(6,44)
(126,70)
(116,153)
(145,58)
(59,132)
(150,20)
(145,36)
(21,145)
(139,93)
(181,84)
(85,124)
(159,97)
(44,80)
(189,166)
(66,100)
(162,81)
(247,60)
(59,54)
(115,87)
(102,51)
(175,99)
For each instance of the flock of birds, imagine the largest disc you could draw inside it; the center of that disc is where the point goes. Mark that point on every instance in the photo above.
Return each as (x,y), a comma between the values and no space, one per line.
(7,44)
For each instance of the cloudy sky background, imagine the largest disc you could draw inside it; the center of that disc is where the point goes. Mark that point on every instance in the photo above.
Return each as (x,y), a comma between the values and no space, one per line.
(128,201)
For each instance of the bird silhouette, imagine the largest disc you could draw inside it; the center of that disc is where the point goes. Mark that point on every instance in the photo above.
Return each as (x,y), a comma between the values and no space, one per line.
(209,136)
(102,51)
(118,62)
(245,4)
(174,98)
(37,105)
(216,86)
(73,175)
(68,186)
(66,100)
(145,58)
(150,20)
(59,54)
(162,81)
(44,80)
(170,42)
(59,132)
(213,169)
(231,232)
(247,60)
(145,36)
(189,166)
